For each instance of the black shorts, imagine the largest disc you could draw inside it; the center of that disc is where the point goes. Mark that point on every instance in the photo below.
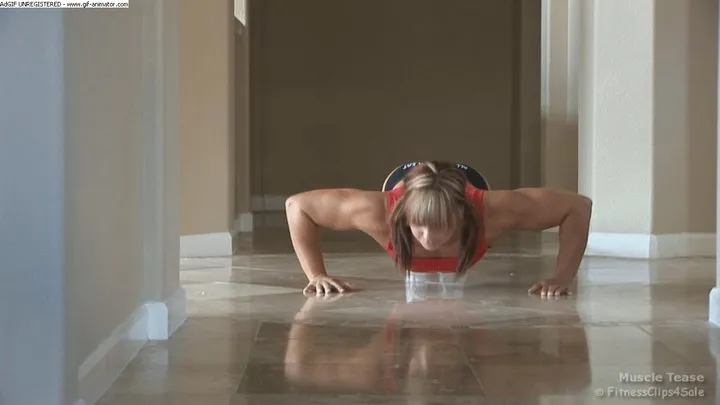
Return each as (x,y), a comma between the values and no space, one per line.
(474,177)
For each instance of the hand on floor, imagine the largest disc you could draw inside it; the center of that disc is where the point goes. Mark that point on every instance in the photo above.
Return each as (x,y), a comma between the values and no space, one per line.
(320,285)
(551,287)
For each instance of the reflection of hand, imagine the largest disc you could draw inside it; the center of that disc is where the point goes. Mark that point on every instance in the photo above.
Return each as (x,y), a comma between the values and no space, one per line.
(314,300)
(324,284)
(551,287)
(315,303)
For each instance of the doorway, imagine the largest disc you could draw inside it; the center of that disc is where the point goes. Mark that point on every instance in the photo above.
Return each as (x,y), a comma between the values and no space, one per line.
(342,91)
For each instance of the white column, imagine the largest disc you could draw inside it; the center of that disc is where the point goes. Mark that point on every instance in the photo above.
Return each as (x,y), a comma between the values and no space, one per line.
(122,263)
(161,172)
(88,197)
(243,204)
(714,301)
(32,229)
(559,93)
(639,134)
(616,123)
(168,158)
(207,127)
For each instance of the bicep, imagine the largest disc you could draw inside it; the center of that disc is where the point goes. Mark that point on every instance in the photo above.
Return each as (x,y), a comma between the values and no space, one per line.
(336,209)
(538,208)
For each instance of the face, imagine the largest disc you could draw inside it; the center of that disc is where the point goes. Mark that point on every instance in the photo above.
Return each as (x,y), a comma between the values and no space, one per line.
(432,239)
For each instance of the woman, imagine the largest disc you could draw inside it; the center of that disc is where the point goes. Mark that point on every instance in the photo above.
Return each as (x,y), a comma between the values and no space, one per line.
(439,217)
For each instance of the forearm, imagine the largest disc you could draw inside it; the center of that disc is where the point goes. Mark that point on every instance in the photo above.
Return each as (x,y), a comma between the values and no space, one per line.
(573,234)
(306,242)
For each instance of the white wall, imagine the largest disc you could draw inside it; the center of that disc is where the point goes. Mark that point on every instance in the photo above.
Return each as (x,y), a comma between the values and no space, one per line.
(207,122)
(88,197)
(104,166)
(32,279)
(644,146)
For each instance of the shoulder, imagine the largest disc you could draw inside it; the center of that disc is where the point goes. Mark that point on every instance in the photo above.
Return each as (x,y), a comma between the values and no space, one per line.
(372,218)
(533,208)
(342,202)
(372,202)
(374,205)
(522,197)
(503,201)
(367,212)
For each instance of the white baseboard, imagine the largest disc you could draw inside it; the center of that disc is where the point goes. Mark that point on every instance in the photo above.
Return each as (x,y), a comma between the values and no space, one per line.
(714,309)
(165,317)
(646,246)
(206,245)
(244,223)
(152,320)
(100,370)
(714,321)
(268,202)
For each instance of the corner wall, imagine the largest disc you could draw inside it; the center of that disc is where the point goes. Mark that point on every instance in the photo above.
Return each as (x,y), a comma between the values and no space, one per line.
(86,157)
(647,134)
(104,166)
(207,127)
(242,210)
(122,262)
(34,331)
(702,65)
(559,94)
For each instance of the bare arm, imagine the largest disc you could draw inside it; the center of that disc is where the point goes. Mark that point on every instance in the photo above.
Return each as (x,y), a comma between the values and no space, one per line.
(539,209)
(336,209)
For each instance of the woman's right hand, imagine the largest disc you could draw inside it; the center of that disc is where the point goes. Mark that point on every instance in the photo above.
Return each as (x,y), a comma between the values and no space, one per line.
(324,284)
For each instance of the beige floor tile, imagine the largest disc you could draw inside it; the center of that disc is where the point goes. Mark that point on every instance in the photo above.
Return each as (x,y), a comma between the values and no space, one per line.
(692,342)
(198,328)
(158,381)
(165,399)
(229,355)
(252,338)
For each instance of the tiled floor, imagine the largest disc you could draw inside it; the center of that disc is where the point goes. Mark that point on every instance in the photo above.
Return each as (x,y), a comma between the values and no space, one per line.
(252,338)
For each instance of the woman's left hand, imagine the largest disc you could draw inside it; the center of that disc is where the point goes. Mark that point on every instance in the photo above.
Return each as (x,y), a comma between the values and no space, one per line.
(551,287)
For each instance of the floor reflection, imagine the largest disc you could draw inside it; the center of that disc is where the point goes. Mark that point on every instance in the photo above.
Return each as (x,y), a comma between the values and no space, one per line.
(423,349)
(434,359)
(252,338)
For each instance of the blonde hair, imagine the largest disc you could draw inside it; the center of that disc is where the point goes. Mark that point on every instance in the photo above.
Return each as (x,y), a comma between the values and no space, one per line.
(434,196)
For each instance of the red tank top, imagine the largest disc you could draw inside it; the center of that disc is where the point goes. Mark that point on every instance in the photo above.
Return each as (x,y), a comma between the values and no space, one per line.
(440,264)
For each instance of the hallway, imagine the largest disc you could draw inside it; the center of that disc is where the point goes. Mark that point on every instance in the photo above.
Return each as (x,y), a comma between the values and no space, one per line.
(252,338)
(131,138)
